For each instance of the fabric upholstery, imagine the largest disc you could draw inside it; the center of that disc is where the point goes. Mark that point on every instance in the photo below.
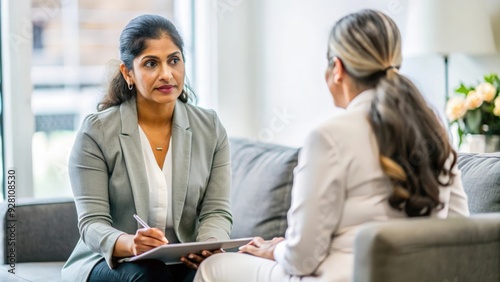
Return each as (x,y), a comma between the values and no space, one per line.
(46,230)
(262,177)
(481,180)
(33,271)
(454,249)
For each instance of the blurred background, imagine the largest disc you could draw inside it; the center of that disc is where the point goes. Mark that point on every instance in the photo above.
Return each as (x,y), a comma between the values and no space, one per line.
(259,64)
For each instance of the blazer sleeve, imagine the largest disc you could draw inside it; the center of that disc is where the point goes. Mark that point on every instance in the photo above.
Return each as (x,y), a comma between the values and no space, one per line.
(88,173)
(318,196)
(215,210)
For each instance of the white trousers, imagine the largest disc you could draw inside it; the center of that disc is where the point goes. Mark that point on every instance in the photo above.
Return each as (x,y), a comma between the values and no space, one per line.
(236,267)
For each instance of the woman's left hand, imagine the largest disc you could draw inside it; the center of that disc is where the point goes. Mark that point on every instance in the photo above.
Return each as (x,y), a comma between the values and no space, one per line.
(261,248)
(194,260)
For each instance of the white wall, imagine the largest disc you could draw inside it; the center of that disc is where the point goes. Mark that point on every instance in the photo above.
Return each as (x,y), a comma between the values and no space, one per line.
(272,58)
(237,64)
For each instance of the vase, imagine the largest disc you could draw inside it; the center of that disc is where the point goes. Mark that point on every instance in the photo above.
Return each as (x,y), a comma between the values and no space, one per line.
(480,143)
(492,143)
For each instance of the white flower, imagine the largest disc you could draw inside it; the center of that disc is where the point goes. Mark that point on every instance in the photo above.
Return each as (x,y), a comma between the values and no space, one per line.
(496,111)
(473,100)
(486,91)
(455,108)
(497,102)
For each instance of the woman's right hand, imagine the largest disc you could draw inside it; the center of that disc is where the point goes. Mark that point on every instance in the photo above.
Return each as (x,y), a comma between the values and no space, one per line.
(146,239)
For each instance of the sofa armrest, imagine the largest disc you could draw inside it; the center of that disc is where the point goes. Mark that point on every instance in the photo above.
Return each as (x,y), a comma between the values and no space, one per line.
(44,230)
(454,249)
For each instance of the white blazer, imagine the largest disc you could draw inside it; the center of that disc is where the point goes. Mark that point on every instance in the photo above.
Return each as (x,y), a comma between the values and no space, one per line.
(339,185)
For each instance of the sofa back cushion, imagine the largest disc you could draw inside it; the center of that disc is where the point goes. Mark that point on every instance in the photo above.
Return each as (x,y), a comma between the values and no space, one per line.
(40,230)
(481,180)
(262,176)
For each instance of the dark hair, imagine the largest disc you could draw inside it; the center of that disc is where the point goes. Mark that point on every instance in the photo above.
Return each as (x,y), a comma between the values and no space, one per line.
(132,43)
(413,145)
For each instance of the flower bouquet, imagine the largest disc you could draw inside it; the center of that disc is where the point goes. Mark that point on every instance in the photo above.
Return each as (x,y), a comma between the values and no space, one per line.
(476,109)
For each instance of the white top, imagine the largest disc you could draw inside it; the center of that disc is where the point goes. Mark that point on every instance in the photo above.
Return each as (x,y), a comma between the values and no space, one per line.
(160,189)
(339,185)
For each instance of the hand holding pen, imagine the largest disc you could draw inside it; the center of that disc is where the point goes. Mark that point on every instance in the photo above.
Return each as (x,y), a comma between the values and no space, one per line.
(147,238)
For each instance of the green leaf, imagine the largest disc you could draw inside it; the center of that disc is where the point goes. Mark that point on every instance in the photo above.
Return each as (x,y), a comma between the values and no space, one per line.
(491,78)
(463,89)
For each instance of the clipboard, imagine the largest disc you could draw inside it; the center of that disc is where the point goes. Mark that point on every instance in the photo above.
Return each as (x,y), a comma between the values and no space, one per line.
(172,253)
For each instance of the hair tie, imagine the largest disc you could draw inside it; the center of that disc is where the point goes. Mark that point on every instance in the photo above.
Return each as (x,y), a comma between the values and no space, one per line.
(396,68)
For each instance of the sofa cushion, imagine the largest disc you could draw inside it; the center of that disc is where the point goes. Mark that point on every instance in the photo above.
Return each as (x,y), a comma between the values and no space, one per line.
(33,272)
(481,180)
(45,230)
(262,176)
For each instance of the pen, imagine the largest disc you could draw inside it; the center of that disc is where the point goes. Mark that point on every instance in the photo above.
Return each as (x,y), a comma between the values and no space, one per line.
(141,222)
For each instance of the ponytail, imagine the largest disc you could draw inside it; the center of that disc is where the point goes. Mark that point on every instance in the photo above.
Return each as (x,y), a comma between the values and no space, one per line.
(413,145)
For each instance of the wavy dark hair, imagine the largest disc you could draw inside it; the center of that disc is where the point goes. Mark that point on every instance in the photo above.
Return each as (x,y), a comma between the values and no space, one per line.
(414,146)
(132,43)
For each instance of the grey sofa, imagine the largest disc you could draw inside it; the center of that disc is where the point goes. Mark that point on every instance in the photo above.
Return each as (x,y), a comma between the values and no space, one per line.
(451,250)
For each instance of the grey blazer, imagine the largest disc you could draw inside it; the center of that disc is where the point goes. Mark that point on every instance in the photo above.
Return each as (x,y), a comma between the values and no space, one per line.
(108,178)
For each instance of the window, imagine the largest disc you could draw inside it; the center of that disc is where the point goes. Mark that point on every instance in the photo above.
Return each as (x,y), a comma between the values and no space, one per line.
(73,42)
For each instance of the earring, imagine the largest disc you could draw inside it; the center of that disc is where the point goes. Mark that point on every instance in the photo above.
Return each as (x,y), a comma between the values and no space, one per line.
(130,87)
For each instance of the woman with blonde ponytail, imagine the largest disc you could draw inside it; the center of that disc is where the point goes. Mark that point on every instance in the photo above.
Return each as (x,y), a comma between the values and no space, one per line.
(387,156)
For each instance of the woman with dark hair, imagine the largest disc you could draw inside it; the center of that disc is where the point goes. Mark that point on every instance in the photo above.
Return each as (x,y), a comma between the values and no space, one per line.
(147,151)
(386,156)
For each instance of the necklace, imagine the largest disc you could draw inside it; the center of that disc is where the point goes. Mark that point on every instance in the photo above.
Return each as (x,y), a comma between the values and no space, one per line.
(157,148)
(160,148)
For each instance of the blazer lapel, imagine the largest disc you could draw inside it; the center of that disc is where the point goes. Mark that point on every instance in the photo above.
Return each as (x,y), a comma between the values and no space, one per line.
(181,157)
(134,161)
